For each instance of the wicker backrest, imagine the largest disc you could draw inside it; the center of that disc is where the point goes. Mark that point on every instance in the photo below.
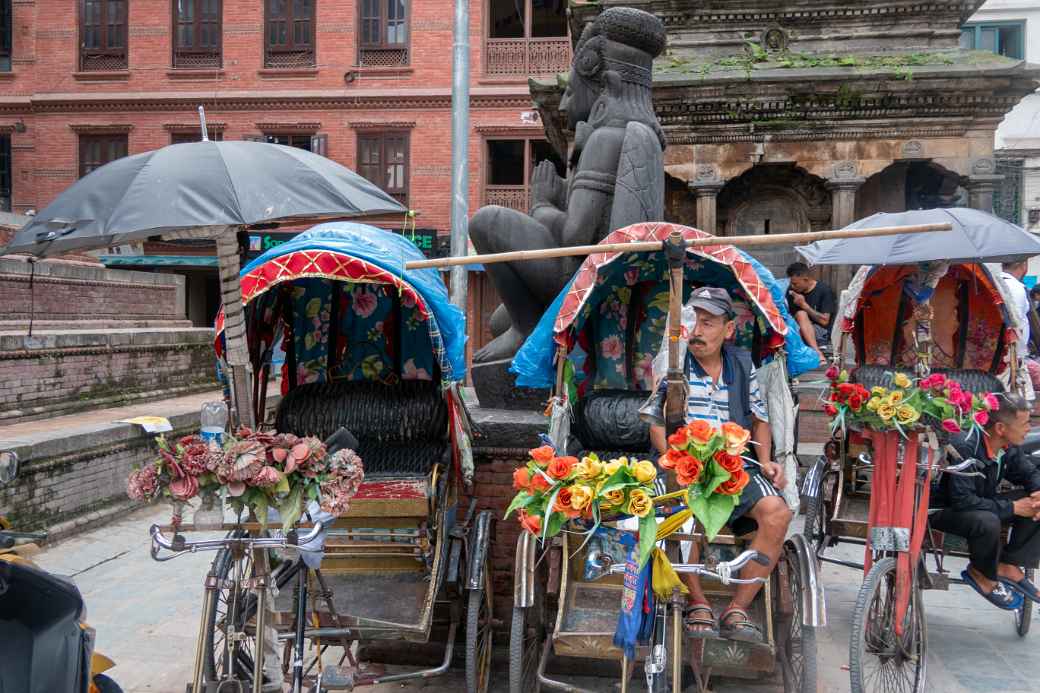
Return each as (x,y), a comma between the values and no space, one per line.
(976,382)
(608,420)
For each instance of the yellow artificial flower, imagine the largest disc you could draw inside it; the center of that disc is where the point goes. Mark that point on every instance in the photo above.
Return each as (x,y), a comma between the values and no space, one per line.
(901,380)
(878,391)
(581,496)
(644,471)
(639,503)
(873,403)
(589,468)
(615,497)
(906,415)
(610,467)
(886,411)
(895,397)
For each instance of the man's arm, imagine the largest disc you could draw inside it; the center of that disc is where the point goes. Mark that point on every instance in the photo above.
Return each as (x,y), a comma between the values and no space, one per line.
(963,496)
(762,441)
(657,439)
(1021,470)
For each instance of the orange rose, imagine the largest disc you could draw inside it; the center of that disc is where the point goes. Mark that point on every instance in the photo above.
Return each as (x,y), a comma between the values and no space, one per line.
(735,484)
(670,459)
(679,439)
(688,470)
(532,523)
(521,479)
(543,455)
(731,463)
(700,431)
(561,467)
(736,437)
(563,503)
(539,484)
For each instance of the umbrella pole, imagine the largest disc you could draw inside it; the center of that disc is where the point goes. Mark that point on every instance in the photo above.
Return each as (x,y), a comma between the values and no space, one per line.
(237,350)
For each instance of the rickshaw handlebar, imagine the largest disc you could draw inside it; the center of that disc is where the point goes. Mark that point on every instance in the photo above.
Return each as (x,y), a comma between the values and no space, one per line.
(178,545)
(723,571)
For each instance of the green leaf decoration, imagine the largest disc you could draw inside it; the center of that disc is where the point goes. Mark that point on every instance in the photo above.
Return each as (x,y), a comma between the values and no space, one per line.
(291,508)
(712,511)
(520,500)
(555,524)
(716,475)
(621,479)
(282,487)
(647,537)
(259,505)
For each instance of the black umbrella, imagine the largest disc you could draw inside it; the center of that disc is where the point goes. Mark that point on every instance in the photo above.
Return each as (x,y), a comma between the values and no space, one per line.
(976,236)
(197,185)
(203,189)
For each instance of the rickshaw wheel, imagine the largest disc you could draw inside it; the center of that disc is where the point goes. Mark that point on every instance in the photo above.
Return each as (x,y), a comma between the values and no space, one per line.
(1024,615)
(797,647)
(878,659)
(815,527)
(479,614)
(527,635)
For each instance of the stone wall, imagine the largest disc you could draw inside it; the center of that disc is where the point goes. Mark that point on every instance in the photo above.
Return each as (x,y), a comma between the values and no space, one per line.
(55,373)
(68,292)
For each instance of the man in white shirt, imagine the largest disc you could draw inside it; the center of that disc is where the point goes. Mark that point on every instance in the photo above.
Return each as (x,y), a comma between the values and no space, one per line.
(1012,274)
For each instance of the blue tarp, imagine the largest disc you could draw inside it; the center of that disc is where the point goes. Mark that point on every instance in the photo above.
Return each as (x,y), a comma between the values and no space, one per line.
(389,251)
(533,364)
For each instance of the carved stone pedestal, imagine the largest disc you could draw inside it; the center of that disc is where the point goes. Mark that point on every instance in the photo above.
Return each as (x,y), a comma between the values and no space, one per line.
(496,388)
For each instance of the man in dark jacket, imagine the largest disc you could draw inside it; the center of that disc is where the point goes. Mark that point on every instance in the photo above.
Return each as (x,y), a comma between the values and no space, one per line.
(972,508)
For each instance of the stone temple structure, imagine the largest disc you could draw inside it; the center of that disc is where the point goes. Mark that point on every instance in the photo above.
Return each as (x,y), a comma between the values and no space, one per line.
(791,115)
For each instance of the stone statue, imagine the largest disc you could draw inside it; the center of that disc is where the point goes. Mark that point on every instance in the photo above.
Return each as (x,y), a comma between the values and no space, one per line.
(616,175)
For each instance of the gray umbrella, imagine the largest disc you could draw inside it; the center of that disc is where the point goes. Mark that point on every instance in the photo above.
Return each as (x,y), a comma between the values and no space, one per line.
(976,237)
(203,189)
(198,184)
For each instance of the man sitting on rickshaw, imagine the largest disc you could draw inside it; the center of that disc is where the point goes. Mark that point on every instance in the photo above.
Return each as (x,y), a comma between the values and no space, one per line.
(972,508)
(723,386)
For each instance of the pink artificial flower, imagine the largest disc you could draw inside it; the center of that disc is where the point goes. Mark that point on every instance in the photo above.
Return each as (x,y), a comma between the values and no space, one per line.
(832,373)
(184,488)
(992,403)
(236,489)
(612,348)
(364,303)
(981,418)
(951,426)
(267,476)
(142,483)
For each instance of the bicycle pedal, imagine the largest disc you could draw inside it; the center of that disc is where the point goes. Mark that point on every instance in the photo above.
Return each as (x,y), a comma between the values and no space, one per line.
(335,678)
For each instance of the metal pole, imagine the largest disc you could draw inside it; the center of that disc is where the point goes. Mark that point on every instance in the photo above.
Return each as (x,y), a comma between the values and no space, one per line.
(460,152)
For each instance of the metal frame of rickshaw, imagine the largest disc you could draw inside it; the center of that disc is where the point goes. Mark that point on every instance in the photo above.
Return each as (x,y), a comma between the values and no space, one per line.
(452,553)
(842,477)
(793,588)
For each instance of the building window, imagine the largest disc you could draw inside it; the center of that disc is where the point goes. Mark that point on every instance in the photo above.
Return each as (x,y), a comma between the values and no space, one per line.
(1004,38)
(383,40)
(289,32)
(383,159)
(188,136)
(196,30)
(97,150)
(102,35)
(5,173)
(526,37)
(5,35)
(508,168)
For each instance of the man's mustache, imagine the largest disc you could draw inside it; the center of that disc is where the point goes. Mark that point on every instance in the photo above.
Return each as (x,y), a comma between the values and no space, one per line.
(698,342)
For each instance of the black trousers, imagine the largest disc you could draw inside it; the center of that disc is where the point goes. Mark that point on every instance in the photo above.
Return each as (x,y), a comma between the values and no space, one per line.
(982,530)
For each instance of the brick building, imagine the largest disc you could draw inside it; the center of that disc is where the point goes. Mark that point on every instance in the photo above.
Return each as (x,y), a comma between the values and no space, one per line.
(365,82)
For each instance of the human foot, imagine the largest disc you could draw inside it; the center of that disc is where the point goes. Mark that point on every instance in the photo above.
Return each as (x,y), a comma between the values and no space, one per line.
(501,347)
(996,593)
(736,624)
(1011,572)
(699,622)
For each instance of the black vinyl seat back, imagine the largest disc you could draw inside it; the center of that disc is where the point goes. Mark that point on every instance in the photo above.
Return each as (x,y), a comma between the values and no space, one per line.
(402,429)
(976,382)
(607,422)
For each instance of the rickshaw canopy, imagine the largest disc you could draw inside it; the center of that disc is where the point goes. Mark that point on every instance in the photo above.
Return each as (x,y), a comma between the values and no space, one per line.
(615,310)
(346,282)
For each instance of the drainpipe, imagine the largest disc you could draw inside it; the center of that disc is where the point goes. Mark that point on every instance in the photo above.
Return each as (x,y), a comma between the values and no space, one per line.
(460,152)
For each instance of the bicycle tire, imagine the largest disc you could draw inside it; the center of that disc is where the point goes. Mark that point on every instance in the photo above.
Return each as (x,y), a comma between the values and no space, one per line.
(1024,615)
(803,679)
(478,636)
(104,684)
(881,580)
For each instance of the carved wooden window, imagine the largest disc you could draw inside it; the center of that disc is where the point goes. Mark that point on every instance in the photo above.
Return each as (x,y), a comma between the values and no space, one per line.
(97,150)
(383,159)
(5,173)
(508,168)
(189,136)
(526,37)
(5,35)
(1003,38)
(289,33)
(383,33)
(317,144)
(197,34)
(102,35)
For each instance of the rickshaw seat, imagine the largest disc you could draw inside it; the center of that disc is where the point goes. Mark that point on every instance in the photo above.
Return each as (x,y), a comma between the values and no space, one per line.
(977,382)
(401,429)
(609,420)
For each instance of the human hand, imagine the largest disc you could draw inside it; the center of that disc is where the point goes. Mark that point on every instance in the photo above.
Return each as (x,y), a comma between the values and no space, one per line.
(1027,507)
(799,300)
(546,185)
(775,473)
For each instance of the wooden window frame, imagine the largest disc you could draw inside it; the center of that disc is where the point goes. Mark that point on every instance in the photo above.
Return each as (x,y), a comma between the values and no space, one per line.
(403,193)
(216,52)
(107,51)
(383,20)
(485,169)
(977,27)
(88,137)
(290,21)
(6,34)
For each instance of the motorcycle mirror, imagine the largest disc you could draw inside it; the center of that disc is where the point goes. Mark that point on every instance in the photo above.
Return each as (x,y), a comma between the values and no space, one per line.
(8,467)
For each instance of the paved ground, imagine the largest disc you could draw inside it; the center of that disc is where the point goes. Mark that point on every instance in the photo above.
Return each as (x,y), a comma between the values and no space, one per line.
(146,617)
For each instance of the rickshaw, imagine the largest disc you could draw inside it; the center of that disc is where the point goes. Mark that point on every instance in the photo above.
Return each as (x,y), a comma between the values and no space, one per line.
(602,333)
(860,493)
(378,350)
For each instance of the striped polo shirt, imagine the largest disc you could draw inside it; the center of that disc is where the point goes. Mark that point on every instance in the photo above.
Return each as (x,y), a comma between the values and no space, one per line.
(709,400)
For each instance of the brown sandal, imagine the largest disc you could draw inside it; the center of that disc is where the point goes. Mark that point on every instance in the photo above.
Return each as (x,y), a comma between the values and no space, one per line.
(697,626)
(741,629)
